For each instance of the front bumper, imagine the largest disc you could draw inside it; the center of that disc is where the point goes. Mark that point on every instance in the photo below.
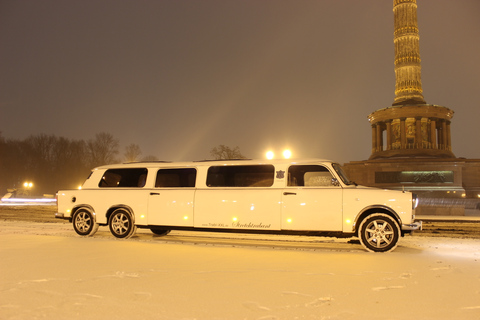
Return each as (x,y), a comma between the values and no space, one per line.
(412,226)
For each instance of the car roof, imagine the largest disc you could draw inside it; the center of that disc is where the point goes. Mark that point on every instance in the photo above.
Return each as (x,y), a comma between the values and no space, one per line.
(223,162)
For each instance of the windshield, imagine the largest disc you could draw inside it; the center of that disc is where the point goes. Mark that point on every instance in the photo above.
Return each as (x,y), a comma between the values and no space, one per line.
(342,174)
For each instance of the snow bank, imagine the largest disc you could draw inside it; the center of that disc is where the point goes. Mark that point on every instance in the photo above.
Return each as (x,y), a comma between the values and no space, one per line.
(47,271)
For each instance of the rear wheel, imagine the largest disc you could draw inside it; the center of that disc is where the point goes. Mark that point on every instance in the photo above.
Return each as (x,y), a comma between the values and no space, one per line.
(160,232)
(84,223)
(121,224)
(379,233)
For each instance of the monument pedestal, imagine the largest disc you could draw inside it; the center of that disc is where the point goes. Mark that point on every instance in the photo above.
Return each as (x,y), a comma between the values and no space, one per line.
(445,187)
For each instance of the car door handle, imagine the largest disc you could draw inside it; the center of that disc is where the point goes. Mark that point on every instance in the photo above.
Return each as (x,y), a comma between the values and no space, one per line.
(154,193)
(289,194)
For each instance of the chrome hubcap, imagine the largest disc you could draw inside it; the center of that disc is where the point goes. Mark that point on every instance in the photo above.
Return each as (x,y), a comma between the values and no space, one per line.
(379,233)
(120,223)
(83,221)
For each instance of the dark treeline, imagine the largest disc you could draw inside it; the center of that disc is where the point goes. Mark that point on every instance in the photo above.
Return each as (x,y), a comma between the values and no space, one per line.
(52,163)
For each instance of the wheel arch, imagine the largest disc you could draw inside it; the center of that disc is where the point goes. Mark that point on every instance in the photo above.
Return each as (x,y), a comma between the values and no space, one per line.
(120,206)
(83,206)
(375,209)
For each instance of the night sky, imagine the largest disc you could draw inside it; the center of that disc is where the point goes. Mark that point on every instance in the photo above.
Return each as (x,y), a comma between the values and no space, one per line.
(180,77)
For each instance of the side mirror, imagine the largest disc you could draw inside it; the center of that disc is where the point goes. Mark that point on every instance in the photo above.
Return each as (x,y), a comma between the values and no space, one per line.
(335,182)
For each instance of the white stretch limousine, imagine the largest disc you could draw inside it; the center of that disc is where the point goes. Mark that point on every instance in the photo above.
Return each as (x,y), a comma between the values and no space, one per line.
(310,197)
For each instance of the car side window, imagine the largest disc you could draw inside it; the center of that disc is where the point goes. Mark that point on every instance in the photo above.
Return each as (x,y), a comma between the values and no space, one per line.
(241,176)
(176,178)
(309,176)
(124,178)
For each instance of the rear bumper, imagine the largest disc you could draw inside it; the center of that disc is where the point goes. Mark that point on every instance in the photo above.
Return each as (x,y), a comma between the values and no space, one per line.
(59,215)
(412,226)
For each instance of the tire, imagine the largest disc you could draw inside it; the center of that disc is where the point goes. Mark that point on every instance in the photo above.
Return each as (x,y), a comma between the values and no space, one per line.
(379,233)
(121,224)
(160,232)
(84,223)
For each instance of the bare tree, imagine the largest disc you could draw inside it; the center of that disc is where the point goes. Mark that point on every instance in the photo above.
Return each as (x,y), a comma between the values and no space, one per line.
(11,164)
(52,163)
(150,158)
(132,152)
(40,157)
(223,152)
(70,164)
(102,150)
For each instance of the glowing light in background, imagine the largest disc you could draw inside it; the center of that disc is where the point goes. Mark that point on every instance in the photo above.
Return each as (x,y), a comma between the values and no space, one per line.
(24,202)
(287,154)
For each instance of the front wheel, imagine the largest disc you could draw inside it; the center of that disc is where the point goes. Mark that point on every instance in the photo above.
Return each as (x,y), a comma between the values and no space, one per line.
(379,233)
(121,224)
(84,223)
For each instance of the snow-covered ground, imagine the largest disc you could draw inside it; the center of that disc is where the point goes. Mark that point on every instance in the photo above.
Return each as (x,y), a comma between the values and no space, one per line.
(48,272)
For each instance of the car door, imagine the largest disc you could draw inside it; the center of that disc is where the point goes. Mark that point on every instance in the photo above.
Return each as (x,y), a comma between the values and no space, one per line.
(239,197)
(311,200)
(170,203)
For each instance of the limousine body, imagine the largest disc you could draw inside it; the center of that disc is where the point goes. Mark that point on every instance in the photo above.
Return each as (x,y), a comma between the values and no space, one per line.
(310,197)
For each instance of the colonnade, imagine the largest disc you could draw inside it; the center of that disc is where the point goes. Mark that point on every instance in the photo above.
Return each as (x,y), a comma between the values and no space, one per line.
(411,133)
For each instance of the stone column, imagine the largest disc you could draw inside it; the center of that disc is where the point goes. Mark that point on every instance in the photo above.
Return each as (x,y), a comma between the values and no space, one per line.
(444,135)
(403,134)
(449,137)
(389,134)
(374,138)
(379,137)
(408,83)
(439,134)
(418,133)
(433,134)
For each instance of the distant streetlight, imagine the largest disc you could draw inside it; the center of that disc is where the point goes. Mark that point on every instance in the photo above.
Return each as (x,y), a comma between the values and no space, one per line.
(27,187)
(287,154)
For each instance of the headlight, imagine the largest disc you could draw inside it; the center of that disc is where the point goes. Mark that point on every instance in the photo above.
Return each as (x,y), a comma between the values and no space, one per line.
(414,201)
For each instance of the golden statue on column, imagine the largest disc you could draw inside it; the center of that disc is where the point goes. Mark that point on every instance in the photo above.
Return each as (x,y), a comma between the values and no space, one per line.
(410,128)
